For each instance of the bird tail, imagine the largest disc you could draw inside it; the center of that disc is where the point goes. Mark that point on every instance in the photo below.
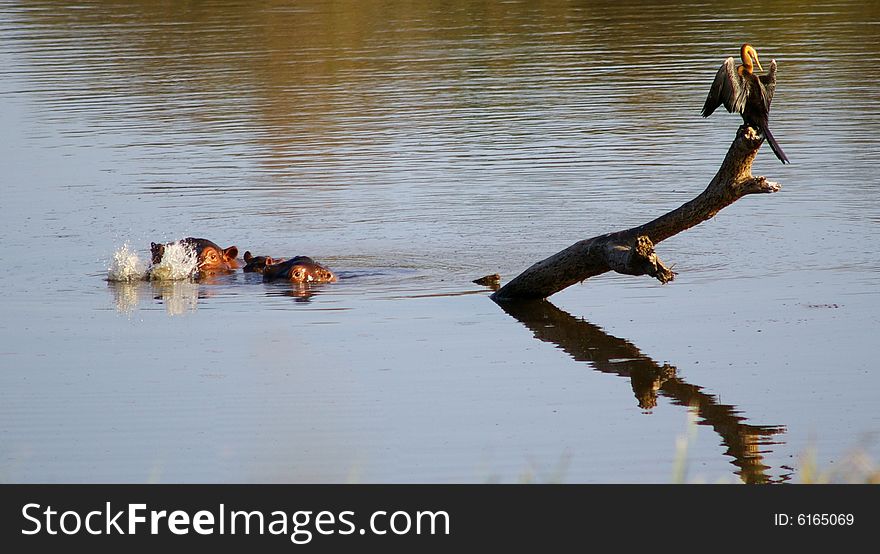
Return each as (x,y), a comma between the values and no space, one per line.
(775,146)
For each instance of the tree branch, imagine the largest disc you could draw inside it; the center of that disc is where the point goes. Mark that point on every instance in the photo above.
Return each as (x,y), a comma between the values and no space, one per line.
(631,251)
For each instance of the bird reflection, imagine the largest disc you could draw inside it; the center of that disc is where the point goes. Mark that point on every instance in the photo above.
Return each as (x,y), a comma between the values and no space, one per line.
(586,342)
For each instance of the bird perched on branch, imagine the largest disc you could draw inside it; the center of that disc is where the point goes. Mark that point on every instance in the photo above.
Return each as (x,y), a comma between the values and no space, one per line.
(740,90)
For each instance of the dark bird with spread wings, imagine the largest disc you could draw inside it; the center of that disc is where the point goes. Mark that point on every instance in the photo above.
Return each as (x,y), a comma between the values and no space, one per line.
(740,90)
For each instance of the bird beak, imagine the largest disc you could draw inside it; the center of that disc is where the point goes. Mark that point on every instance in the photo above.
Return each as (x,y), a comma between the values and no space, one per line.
(758,63)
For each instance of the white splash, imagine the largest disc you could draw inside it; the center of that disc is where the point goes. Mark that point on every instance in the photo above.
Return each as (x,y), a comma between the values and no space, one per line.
(126,266)
(179,262)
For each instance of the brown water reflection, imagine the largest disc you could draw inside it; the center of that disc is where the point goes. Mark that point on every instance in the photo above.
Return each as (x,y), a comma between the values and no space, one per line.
(746,444)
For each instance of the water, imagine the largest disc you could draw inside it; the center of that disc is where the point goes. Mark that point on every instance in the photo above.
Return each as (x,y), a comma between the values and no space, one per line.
(412,148)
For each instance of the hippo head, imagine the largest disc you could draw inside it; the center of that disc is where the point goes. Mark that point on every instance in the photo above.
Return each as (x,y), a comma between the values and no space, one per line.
(300,270)
(256,264)
(309,271)
(210,256)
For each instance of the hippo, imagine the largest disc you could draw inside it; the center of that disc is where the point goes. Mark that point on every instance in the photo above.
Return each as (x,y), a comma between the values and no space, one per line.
(211,257)
(256,264)
(300,270)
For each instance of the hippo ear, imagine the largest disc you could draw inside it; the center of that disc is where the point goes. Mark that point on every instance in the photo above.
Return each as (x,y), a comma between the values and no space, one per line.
(247,256)
(231,252)
(157,251)
(270,261)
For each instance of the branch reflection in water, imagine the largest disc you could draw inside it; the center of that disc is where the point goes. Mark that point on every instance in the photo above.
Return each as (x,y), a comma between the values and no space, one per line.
(586,342)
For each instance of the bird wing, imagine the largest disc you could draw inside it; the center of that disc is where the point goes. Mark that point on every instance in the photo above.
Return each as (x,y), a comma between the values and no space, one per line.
(728,88)
(769,83)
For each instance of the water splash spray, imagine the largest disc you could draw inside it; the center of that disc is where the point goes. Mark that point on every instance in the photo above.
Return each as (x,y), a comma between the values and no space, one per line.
(126,266)
(179,262)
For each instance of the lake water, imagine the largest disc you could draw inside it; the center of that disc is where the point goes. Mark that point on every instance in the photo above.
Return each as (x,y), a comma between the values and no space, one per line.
(413,147)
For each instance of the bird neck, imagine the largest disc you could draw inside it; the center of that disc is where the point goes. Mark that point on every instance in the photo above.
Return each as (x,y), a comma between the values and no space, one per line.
(747,65)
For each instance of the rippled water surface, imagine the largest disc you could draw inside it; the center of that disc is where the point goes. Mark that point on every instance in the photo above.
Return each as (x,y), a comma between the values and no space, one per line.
(413,147)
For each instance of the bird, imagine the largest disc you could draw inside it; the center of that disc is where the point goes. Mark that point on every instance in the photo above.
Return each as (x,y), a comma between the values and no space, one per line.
(740,90)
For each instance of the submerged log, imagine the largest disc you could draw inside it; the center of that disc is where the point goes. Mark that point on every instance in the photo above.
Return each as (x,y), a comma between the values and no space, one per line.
(631,251)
